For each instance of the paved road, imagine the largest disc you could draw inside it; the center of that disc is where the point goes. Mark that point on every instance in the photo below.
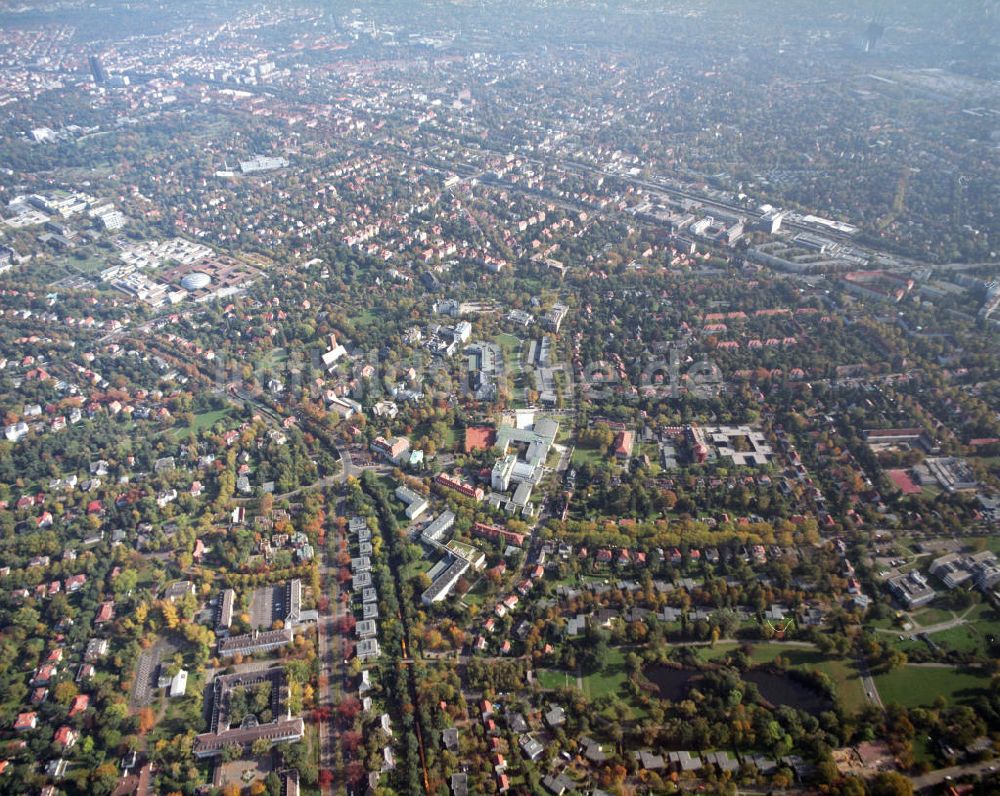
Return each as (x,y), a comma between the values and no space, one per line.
(326,636)
(932,778)
(868,682)
(740,641)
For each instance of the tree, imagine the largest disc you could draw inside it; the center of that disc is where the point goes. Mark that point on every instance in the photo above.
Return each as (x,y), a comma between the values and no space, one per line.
(260,747)
(594,655)
(65,692)
(891,783)
(147,720)
(104,778)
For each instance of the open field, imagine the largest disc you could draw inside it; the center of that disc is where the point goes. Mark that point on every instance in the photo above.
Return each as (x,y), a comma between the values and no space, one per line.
(610,681)
(201,421)
(554,678)
(931,616)
(508,343)
(581,455)
(912,686)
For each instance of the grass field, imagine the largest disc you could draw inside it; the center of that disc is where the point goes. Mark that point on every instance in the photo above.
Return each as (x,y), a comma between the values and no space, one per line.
(554,678)
(508,342)
(200,422)
(209,419)
(976,636)
(932,616)
(415,568)
(886,623)
(273,359)
(906,645)
(912,686)
(964,638)
(592,455)
(610,680)
(90,261)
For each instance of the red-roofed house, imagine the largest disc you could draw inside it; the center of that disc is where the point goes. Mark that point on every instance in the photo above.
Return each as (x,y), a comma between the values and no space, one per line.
(44,674)
(624,441)
(66,737)
(105,613)
(80,703)
(26,721)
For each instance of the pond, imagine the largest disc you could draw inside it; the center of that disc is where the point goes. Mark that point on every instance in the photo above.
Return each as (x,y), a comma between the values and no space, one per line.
(671,683)
(777,688)
(780,689)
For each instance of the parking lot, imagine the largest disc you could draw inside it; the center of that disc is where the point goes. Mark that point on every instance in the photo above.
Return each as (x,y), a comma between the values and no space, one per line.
(147,671)
(267,605)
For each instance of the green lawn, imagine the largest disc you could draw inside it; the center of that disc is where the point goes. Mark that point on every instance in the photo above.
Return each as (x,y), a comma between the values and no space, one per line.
(907,645)
(610,680)
(449,439)
(477,594)
(508,342)
(983,624)
(414,568)
(922,752)
(886,623)
(272,359)
(554,678)
(932,616)
(93,261)
(844,674)
(592,455)
(912,686)
(199,423)
(209,419)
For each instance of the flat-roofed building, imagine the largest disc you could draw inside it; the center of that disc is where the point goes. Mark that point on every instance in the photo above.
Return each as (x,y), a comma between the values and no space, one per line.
(255,643)
(442,585)
(224,611)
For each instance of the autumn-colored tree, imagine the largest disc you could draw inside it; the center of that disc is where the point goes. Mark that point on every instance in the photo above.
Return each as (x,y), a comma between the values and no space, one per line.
(65,691)
(169,612)
(350,741)
(349,708)
(147,720)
